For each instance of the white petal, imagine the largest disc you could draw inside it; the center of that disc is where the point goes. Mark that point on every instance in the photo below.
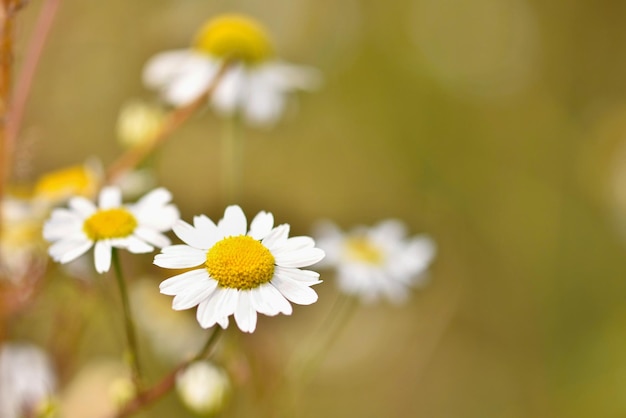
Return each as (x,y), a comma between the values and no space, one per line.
(151,236)
(190,235)
(276,237)
(290,77)
(102,256)
(294,244)
(299,258)
(221,304)
(110,197)
(179,256)
(84,207)
(233,223)
(230,92)
(188,87)
(67,250)
(307,277)
(193,294)
(262,304)
(208,229)
(275,299)
(178,283)
(161,68)
(294,290)
(245,314)
(261,225)
(156,198)
(134,245)
(264,101)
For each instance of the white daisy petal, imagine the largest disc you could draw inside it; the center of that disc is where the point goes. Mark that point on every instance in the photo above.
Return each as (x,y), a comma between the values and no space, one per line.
(261,302)
(261,225)
(233,223)
(65,251)
(194,294)
(276,237)
(83,207)
(276,299)
(264,103)
(230,91)
(299,258)
(151,236)
(211,313)
(135,245)
(294,290)
(189,86)
(178,283)
(245,314)
(307,277)
(102,256)
(110,197)
(190,235)
(180,256)
(294,244)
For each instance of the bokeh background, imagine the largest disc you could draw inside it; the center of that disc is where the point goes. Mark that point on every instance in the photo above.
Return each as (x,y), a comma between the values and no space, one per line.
(498,127)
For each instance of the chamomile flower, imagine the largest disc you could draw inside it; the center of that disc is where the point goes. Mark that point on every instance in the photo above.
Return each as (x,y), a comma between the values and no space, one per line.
(239,272)
(255,84)
(137,227)
(377,262)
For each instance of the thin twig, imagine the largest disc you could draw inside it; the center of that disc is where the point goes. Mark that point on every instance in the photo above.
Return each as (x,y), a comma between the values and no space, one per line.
(135,155)
(31,61)
(156,392)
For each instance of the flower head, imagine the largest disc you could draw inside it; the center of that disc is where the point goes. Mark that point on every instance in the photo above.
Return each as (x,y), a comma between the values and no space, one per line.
(239,271)
(203,387)
(57,186)
(255,84)
(376,262)
(136,227)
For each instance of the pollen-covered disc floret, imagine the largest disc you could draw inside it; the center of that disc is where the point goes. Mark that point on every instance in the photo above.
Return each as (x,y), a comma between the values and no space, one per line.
(239,271)
(255,84)
(137,227)
(376,262)
(234,37)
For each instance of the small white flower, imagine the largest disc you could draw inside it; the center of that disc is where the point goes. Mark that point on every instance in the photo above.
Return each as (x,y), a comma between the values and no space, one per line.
(136,227)
(27,381)
(240,272)
(256,84)
(203,387)
(376,262)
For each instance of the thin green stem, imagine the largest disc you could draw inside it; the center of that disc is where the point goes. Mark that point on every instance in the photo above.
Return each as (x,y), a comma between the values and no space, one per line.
(232,156)
(129,323)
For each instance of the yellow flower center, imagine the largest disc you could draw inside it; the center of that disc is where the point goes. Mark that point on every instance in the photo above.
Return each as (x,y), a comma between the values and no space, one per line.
(240,262)
(110,223)
(361,249)
(61,184)
(234,37)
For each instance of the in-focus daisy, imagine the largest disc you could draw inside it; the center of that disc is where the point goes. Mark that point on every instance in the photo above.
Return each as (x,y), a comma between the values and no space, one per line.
(255,85)
(377,262)
(137,227)
(240,271)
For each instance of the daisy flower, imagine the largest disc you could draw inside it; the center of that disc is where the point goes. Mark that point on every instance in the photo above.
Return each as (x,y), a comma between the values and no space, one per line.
(240,272)
(136,227)
(256,83)
(377,262)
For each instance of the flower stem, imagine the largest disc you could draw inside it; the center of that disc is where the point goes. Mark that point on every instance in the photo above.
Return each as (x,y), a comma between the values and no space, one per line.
(159,390)
(232,154)
(174,120)
(129,323)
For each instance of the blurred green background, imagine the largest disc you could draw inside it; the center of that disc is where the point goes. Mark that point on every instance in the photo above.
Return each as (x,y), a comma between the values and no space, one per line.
(496,126)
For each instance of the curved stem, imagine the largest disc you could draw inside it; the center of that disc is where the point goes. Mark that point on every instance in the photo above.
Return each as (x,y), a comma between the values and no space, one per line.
(175,119)
(129,323)
(159,390)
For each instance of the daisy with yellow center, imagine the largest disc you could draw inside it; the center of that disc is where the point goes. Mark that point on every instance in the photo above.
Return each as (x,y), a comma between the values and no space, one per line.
(239,272)
(377,262)
(137,227)
(255,85)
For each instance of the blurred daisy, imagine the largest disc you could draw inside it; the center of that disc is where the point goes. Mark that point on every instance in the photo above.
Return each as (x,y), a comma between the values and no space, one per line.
(376,262)
(240,272)
(56,187)
(136,227)
(203,387)
(255,85)
(27,381)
